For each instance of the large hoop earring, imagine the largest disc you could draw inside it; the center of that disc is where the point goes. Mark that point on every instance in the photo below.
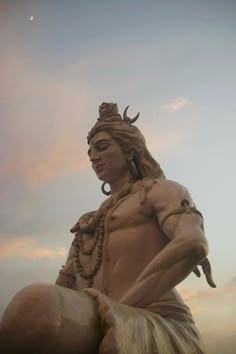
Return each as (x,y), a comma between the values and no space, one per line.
(134,170)
(103,189)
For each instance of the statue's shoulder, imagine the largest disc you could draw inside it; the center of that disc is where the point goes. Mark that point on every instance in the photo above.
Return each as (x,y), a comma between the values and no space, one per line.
(83,219)
(168,192)
(168,186)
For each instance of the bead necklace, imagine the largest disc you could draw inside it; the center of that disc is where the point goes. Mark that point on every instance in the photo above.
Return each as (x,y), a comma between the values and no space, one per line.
(96,225)
(79,247)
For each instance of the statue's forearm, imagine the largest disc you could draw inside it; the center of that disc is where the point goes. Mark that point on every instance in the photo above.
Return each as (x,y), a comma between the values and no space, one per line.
(66,275)
(171,266)
(192,249)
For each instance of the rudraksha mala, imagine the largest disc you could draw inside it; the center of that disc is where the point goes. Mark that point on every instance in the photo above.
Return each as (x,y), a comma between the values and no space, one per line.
(79,247)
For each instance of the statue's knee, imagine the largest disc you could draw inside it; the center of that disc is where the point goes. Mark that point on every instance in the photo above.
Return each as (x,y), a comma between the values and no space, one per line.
(49,317)
(27,321)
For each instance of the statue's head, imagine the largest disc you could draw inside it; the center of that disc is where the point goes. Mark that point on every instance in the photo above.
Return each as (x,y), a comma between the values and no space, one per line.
(129,138)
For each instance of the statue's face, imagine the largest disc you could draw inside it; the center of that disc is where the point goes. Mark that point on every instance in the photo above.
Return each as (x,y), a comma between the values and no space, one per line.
(108,159)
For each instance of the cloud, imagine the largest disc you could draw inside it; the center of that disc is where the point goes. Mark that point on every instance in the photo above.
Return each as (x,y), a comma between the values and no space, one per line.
(207,294)
(43,130)
(48,117)
(214,312)
(26,247)
(175,104)
(58,158)
(168,141)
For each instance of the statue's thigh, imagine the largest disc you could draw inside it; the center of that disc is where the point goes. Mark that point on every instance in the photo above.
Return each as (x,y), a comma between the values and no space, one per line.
(43,319)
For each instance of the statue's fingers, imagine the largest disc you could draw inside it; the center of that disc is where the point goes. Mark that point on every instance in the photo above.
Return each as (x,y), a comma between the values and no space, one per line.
(197,272)
(75,228)
(210,280)
(206,267)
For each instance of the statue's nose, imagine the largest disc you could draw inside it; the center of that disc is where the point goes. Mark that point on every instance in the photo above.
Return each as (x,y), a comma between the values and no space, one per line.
(94,155)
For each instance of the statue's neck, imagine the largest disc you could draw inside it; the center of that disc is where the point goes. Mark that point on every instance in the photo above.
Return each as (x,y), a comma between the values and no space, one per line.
(120,183)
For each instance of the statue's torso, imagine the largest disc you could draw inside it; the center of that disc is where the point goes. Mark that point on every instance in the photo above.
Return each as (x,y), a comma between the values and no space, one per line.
(132,239)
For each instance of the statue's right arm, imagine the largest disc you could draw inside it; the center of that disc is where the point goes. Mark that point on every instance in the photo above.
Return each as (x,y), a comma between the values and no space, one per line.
(186,247)
(66,275)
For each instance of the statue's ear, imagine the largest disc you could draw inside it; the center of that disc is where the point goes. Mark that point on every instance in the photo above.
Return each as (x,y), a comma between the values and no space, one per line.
(130,155)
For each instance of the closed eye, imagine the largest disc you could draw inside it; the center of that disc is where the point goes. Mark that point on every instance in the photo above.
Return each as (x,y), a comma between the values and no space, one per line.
(102,147)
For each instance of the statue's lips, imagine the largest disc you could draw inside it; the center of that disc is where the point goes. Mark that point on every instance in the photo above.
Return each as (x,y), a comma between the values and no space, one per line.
(98,168)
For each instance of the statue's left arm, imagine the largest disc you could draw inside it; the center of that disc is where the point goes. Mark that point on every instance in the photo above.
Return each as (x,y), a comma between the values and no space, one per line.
(182,224)
(66,275)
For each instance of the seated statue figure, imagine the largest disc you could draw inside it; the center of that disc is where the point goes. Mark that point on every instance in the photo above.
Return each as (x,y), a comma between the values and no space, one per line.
(116,293)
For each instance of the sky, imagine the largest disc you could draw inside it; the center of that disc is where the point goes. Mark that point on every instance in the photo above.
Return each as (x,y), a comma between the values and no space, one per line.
(172,61)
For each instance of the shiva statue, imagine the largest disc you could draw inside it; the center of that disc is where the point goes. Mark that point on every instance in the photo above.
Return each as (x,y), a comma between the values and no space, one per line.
(116,292)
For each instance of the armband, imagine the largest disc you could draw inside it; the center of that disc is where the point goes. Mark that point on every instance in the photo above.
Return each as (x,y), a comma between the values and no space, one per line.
(185,208)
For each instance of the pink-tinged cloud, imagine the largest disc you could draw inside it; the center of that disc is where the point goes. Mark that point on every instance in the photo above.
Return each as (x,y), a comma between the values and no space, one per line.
(214,311)
(59,158)
(26,247)
(207,294)
(175,104)
(44,133)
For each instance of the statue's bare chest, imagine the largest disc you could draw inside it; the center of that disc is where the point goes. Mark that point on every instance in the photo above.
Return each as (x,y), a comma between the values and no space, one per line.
(129,212)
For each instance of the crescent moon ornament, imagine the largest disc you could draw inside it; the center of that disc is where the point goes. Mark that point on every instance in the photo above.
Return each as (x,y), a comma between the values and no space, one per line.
(128,119)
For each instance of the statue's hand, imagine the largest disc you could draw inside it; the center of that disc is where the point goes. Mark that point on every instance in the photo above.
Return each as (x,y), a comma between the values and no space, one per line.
(75,227)
(206,268)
